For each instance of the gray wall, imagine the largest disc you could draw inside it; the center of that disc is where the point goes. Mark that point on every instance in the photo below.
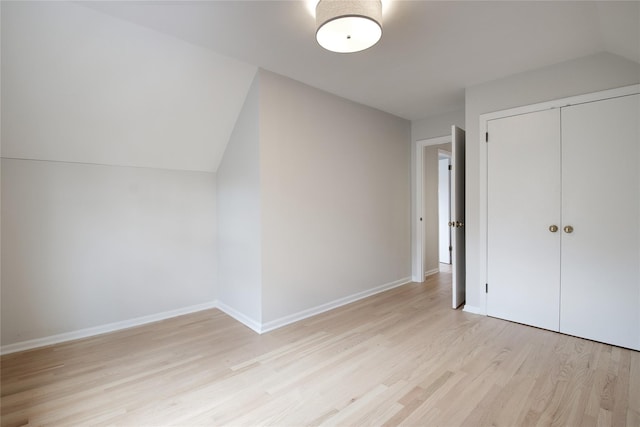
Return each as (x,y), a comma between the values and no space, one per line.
(239,216)
(336,197)
(106,220)
(588,74)
(438,125)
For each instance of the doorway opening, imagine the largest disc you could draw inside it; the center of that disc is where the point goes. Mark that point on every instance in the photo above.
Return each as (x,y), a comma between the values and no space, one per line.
(418,235)
(426,214)
(444,209)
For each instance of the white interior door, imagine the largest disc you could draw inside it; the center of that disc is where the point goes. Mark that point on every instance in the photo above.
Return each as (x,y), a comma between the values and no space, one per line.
(600,290)
(457,216)
(523,202)
(444,210)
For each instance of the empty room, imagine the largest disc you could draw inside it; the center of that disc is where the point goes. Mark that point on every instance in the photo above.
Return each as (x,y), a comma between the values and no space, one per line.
(320,212)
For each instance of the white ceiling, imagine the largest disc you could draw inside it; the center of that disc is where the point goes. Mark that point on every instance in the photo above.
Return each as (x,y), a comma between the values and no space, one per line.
(430,50)
(164,90)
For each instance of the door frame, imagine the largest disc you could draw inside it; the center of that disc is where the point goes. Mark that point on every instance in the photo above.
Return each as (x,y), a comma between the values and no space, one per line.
(418,272)
(481,279)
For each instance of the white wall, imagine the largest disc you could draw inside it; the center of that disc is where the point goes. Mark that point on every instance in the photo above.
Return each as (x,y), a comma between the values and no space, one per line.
(575,77)
(239,216)
(335,182)
(86,245)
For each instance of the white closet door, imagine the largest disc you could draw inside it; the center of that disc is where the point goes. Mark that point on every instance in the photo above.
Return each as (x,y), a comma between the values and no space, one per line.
(523,264)
(600,293)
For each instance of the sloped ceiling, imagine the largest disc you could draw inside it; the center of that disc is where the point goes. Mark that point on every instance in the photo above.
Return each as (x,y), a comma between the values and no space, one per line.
(160,84)
(81,86)
(430,50)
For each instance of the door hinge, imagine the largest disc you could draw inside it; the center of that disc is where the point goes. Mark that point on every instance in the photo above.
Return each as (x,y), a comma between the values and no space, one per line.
(486,137)
(450,248)
(449,167)
(486,288)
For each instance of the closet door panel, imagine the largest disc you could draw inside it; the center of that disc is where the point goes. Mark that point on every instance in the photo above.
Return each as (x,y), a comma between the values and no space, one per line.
(523,263)
(600,291)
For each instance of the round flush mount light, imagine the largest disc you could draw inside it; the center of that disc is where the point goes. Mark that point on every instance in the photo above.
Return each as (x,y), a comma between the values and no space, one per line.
(347,26)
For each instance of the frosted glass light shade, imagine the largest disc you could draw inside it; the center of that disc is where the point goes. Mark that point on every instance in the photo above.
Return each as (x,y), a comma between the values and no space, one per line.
(347,26)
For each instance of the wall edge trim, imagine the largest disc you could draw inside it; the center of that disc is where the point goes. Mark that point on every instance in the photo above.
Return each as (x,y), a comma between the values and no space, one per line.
(310,312)
(240,317)
(103,329)
(431,272)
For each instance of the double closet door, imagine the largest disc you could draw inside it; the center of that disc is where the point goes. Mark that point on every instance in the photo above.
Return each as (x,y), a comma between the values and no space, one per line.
(563,220)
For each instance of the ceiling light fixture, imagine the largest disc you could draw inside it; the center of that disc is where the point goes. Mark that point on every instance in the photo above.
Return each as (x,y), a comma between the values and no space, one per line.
(347,26)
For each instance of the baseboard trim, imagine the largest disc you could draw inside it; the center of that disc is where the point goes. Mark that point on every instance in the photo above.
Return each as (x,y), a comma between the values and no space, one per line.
(230,311)
(431,272)
(286,320)
(245,320)
(472,309)
(103,329)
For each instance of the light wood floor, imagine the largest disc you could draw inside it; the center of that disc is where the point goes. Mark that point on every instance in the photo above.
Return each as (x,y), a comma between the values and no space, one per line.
(401,357)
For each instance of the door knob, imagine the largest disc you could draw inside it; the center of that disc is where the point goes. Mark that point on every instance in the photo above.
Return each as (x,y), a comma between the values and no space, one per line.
(458,224)
(553,228)
(451,224)
(568,229)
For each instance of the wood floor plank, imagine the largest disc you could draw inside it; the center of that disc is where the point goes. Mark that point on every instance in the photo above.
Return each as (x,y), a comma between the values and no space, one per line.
(402,357)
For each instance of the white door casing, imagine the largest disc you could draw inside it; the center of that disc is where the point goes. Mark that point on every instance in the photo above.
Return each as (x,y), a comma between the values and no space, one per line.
(478,282)
(599,144)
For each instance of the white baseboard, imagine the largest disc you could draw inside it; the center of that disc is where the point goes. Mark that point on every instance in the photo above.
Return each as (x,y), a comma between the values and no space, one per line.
(431,272)
(286,320)
(103,329)
(245,320)
(472,309)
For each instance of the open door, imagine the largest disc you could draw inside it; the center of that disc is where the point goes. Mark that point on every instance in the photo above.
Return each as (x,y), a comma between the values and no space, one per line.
(457,216)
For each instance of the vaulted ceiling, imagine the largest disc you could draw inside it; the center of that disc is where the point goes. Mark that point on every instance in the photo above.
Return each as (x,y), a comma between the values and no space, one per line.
(160,83)
(430,50)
